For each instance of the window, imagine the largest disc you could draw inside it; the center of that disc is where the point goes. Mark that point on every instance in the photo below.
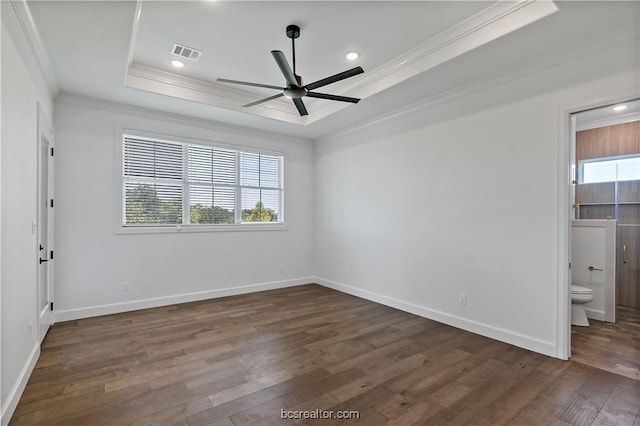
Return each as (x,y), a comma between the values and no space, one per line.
(175,183)
(610,169)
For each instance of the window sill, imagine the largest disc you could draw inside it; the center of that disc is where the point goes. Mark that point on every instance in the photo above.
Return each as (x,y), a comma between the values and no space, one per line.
(182,229)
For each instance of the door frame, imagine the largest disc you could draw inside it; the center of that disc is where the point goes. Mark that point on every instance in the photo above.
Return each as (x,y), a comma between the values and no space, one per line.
(45,131)
(566,158)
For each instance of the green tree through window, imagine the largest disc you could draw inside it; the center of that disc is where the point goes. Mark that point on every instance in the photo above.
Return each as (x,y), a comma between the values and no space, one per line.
(200,214)
(259,214)
(145,206)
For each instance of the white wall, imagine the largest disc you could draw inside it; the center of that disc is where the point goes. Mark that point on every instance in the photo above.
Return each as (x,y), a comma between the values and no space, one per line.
(461,197)
(22,89)
(1,82)
(92,260)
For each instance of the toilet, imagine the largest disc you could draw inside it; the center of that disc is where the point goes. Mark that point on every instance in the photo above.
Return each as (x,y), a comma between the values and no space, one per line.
(580,296)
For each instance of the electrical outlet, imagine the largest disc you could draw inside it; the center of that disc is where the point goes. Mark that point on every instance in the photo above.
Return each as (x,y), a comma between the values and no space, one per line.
(462,299)
(30,327)
(126,285)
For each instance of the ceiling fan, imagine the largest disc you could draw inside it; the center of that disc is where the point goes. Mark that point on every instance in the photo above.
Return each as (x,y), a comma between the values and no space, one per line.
(295,90)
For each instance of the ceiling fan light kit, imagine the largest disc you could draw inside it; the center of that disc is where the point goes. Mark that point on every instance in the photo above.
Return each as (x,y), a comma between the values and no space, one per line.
(294,89)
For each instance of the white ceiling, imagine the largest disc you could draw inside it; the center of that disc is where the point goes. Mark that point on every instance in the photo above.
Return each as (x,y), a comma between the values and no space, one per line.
(411,51)
(239,48)
(607,116)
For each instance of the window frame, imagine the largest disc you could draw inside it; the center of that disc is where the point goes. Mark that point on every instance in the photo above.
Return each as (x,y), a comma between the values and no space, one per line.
(581,164)
(123,228)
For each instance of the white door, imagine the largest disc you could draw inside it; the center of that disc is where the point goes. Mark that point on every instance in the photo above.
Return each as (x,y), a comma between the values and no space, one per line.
(593,265)
(45,227)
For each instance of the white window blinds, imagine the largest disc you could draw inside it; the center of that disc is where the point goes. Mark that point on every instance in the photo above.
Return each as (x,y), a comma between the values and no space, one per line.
(153,189)
(171,183)
(212,184)
(260,182)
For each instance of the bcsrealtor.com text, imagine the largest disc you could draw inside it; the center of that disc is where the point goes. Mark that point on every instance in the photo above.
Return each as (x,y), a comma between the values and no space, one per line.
(319,414)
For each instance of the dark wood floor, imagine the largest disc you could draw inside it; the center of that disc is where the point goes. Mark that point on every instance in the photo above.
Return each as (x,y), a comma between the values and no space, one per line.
(610,347)
(241,360)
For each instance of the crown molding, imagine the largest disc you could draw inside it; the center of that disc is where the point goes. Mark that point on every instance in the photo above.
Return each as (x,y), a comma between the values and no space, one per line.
(489,24)
(134,35)
(82,101)
(36,46)
(215,94)
(556,58)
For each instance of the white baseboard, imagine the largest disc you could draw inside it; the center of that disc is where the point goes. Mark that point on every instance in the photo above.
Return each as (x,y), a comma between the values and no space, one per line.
(497,333)
(134,305)
(16,391)
(595,314)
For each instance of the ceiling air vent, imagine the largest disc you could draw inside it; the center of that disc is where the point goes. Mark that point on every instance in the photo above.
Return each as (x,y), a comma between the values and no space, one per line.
(186,52)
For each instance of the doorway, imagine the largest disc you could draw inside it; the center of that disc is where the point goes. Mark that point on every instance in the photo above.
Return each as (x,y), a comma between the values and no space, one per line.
(607,158)
(606,189)
(45,224)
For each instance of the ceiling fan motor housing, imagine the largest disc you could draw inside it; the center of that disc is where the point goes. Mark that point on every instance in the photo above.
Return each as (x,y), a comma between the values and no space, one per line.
(294,92)
(293,31)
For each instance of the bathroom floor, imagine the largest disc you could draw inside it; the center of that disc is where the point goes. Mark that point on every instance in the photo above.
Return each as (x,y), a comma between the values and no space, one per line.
(611,347)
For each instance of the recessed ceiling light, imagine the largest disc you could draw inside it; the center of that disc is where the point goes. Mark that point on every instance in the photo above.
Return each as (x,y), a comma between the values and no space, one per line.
(352,56)
(619,107)
(177,64)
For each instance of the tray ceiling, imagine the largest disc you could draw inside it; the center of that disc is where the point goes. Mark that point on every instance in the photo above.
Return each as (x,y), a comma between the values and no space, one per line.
(396,40)
(413,52)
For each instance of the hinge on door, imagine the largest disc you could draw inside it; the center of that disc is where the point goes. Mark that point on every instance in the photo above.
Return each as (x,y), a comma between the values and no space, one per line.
(52,202)
(51,306)
(569,265)
(52,151)
(573,182)
(51,257)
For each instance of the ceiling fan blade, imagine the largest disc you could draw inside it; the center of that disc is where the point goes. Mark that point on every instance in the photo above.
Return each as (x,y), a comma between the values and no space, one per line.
(334,78)
(300,105)
(270,98)
(333,97)
(281,60)
(246,83)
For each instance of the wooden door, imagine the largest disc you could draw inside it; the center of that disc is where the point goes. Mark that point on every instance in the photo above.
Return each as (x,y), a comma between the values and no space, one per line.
(628,196)
(628,284)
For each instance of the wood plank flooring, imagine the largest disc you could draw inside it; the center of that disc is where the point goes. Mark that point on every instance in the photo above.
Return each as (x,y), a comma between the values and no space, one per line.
(610,347)
(241,360)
